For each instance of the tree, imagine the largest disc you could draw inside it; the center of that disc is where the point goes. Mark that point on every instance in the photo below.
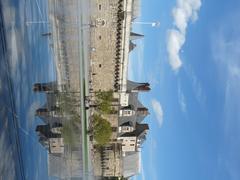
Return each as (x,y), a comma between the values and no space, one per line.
(68,134)
(105,95)
(69,105)
(102,130)
(67,102)
(70,130)
(104,101)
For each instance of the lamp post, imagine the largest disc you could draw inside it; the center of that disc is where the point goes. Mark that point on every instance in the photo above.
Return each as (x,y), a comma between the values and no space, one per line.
(37,22)
(153,24)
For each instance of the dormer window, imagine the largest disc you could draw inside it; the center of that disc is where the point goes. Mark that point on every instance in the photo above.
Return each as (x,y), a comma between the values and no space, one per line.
(124,129)
(128,112)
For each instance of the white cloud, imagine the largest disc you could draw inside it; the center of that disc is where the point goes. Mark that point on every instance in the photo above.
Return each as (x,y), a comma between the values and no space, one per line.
(8,159)
(181,99)
(226,55)
(175,41)
(197,87)
(157,108)
(185,11)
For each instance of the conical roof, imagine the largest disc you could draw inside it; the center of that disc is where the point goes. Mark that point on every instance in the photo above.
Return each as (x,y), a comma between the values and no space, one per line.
(131,46)
(135,36)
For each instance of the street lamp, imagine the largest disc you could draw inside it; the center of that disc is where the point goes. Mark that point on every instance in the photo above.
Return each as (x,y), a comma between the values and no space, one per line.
(37,22)
(153,24)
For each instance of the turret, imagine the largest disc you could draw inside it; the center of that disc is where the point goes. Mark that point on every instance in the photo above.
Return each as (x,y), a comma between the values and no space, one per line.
(45,87)
(135,36)
(132,46)
(137,87)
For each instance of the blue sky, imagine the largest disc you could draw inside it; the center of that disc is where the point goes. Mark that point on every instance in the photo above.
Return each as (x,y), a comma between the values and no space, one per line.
(193,64)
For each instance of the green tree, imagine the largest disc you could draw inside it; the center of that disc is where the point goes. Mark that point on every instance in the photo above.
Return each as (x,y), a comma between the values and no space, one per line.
(68,102)
(105,95)
(102,130)
(68,106)
(70,130)
(104,101)
(68,134)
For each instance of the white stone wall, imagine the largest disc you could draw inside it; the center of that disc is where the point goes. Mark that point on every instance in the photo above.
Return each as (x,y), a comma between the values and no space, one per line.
(128,143)
(56,145)
(103,40)
(112,162)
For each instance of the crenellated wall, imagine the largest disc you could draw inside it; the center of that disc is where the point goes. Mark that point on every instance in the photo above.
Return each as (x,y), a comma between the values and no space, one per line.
(106,42)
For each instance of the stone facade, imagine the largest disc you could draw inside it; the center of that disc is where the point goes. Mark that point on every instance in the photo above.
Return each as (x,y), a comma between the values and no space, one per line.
(108,161)
(56,145)
(111,39)
(103,57)
(103,43)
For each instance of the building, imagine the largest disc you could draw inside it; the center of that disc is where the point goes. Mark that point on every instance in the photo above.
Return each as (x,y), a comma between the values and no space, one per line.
(64,157)
(50,138)
(113,39)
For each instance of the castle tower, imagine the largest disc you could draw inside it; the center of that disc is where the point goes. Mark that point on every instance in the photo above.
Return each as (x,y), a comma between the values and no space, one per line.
(142,111)
(45,87)
(135,36)
(138,87)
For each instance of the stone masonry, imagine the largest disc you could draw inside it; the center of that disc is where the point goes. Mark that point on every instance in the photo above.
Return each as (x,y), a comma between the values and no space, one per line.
(103,43)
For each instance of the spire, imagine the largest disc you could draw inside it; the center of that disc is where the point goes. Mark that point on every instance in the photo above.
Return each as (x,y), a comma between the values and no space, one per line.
(131,46)
(45,87)
(143,87)
(136,87)
(135,36)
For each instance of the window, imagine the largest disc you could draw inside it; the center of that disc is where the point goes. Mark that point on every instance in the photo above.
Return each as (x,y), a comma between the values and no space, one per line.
(99,37)
(103,23)
(100,7)
(131,144)
(100,65)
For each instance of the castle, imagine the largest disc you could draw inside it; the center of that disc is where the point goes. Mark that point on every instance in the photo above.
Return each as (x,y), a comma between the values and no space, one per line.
(111,41)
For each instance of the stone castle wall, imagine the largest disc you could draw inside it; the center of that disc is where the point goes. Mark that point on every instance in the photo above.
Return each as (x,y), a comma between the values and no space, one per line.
(104,19)
(108,161)
(103,43)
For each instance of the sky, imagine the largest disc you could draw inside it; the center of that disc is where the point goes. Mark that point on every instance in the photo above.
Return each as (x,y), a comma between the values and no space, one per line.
(192,62)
